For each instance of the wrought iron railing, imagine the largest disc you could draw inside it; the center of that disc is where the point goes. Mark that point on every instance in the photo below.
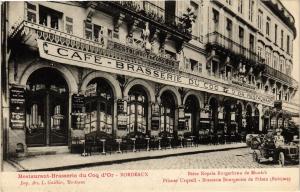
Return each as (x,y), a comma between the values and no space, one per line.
(279,75)
(215,38)
(107,48)
(153,13)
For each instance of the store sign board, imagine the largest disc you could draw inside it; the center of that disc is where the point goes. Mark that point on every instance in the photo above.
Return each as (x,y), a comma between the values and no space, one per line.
(17,108)
(91,89)
(77,103)
(80,58)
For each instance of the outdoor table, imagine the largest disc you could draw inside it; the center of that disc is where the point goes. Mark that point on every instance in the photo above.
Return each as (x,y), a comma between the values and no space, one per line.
(192,137)
(133,139)
(170,138)
(148,141)
(103,146)
(84,152)
(119,145)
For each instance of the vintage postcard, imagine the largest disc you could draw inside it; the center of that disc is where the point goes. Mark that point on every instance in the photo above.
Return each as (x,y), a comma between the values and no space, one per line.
(194,95)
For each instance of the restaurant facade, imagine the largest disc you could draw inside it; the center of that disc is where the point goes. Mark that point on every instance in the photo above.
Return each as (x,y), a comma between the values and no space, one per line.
(143,68)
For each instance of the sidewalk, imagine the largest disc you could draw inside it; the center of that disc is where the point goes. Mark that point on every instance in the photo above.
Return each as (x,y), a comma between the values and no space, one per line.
(71,161)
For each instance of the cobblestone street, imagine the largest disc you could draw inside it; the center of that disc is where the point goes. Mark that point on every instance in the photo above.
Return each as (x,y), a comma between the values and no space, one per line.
(236,158)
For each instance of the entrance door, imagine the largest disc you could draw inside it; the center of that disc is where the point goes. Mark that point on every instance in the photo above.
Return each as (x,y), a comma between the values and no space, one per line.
(46,109)
(57,115)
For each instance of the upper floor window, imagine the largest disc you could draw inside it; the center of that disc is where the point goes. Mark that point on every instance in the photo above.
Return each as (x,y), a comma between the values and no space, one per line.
(275,61)
(268,57)
(281,39)
(281,67)
(260,53)
(69,25)
(275,38)
(251,10)
(260,19)
(49,17)
(170,10)
(170,55)
(251,42)
(195,10)
(241,32)
(215,19)
(229,25)
(268,26)
(94,32)
(31,12)
(288,44)
(215,16)
(229,2)
(240,6)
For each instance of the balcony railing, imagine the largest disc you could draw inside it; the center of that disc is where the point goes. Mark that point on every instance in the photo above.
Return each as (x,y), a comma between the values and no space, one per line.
(107,47)
(148,11)
(279,75)
(217,39)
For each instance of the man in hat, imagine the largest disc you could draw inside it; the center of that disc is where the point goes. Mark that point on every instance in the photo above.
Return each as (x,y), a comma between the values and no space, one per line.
(278,138)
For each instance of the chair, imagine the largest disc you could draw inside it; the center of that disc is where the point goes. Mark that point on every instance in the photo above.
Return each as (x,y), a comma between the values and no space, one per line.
(77,140)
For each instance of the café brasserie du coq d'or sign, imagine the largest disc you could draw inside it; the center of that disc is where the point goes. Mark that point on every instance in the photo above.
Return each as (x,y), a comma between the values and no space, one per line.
(66,55)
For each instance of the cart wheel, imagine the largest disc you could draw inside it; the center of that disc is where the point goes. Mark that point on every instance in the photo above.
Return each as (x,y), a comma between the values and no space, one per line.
(281,159)
(254,156)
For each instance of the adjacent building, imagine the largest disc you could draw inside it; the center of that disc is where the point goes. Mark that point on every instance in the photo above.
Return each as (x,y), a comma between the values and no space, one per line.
(146,67)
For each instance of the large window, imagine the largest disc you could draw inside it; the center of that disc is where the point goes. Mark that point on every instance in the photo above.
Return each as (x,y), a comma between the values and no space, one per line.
(99,107)
(137,109)
(167,112)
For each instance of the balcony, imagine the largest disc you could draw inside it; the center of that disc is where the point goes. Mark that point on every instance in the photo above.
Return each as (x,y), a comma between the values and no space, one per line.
(292,108)
(273,73)
(27,33)
(149,12)
(218,41)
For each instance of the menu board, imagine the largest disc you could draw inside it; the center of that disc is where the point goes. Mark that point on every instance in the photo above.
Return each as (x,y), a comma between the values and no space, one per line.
(78,112)
(120,106)
(122,121)
(17,108)
(77,103)
(155,123)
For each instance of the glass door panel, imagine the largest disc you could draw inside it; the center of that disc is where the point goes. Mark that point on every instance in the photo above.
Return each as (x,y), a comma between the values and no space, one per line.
(35,120)
(58,119)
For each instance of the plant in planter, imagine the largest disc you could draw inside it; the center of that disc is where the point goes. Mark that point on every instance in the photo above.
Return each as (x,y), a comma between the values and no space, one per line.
(187,20)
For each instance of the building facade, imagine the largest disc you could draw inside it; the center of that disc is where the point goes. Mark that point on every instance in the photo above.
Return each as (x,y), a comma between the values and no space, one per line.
(142,67)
